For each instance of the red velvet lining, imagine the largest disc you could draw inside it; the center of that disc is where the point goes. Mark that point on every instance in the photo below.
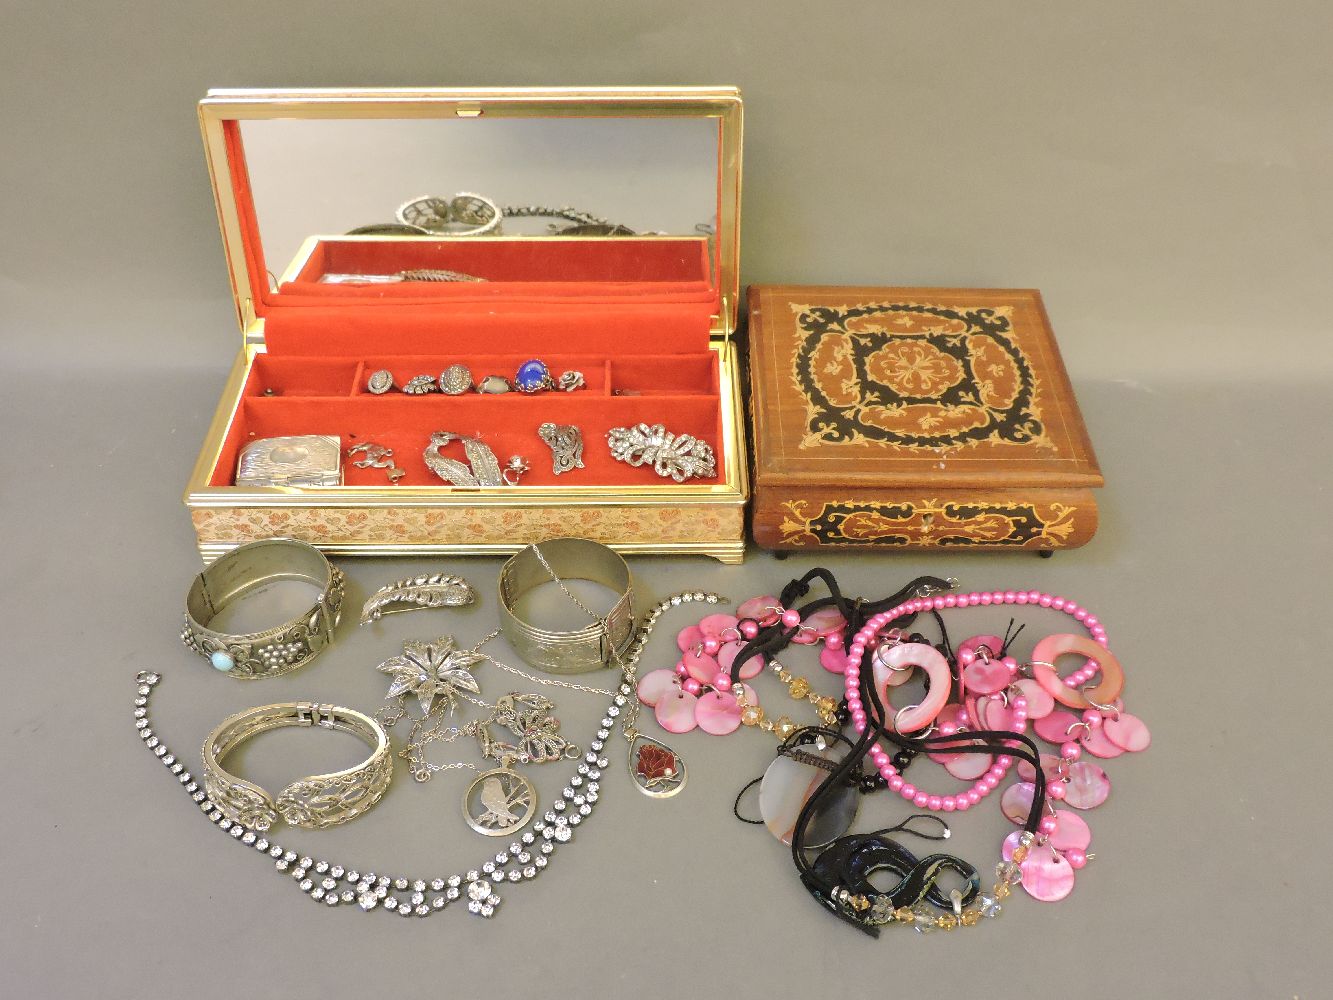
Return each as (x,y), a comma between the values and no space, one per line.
(328,396)
(648,266)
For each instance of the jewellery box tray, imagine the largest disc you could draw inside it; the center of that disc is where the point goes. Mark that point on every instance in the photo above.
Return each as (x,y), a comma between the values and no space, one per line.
(646,319)
(914,418)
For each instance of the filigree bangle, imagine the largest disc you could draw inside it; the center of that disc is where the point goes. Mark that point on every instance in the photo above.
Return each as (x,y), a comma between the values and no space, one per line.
(316,802)
(580,650)
(276,650)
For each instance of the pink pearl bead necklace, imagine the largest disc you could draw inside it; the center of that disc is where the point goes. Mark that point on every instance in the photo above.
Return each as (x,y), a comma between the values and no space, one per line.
(867,638)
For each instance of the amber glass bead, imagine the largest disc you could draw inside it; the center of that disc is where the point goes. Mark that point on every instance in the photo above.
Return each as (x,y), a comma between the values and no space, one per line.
(799,688)
(784,727)
(752,715)
(904,915)
(970,917)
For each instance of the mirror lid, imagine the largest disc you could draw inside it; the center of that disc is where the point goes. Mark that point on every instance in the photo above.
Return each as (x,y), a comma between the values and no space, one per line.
(222,109)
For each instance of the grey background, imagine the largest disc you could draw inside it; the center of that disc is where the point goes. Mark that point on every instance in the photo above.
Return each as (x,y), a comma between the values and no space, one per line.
(1160,170)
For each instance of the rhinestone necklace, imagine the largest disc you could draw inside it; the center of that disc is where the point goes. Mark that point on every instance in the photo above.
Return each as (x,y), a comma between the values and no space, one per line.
(528,855)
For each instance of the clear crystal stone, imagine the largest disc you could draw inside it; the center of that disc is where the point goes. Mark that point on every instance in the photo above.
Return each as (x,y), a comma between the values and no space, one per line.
(390,902)
(367,901)
(299,873)
(559,806)
(474,906)
(261,845)
(487,910)
(548,847)
(455,881)
(585,810)
(597,745)
(563,833)
(529,837)
(437,884)
(497,876)
(530,871)
(281,864)
(316,893)
(320,867)
(473,875)
(541,862)
(404,909)
(347,895)
(329,884)
(421,910)
(418,898)
(453,892)
(400,883)
(478,890)
(381,891)
(305,885)
(419,886)
(439,903)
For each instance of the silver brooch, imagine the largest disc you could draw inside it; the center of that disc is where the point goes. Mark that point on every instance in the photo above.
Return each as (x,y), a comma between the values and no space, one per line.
(566,444)
(675,456)
(436,590)
(380,382)
(482,468)
(376,456)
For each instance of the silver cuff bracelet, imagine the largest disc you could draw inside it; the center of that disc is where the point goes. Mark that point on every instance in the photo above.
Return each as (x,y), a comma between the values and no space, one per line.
(316,802)
(276,650)
(580,650)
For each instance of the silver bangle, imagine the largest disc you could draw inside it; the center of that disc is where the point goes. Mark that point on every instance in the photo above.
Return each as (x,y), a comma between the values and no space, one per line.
(273,651)
(316,802)
(580,650)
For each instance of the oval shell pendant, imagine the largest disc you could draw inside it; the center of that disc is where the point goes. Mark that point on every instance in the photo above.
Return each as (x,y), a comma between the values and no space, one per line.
(788,784)
(498,802)
(655,768)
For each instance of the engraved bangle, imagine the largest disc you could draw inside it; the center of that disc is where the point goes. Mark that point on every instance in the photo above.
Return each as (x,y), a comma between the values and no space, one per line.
(316,802)
(580,650)
(276,650)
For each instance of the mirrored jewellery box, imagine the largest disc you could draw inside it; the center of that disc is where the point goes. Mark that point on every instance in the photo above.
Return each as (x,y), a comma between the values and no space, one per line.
(477,318)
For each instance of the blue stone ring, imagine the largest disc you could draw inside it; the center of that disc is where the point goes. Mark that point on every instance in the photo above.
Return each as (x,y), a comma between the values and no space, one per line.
(534,376)
(243,571)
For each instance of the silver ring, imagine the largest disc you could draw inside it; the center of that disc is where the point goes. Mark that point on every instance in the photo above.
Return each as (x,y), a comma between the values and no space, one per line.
(494,384)
(569,381)
(455,380)
(420,385)
(380,382)
(566,444)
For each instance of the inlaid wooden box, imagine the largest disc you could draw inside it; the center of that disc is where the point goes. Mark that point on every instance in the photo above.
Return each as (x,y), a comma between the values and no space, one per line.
(644,307)
(914,418)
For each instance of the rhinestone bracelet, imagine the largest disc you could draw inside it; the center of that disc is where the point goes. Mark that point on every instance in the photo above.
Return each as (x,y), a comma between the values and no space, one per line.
(335,884)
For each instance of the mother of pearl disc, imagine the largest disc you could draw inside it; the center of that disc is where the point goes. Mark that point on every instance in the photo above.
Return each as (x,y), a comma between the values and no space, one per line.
(788,785)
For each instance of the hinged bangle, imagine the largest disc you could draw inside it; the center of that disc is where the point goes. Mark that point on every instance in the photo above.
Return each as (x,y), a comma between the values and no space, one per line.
(579,650)
(272,651)
(316,802)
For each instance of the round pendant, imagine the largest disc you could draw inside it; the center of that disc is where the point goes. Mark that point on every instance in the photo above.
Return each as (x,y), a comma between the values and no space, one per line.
(499,802)
(788,784)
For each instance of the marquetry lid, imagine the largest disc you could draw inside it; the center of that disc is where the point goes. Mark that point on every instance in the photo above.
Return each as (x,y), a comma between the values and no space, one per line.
(943,387)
